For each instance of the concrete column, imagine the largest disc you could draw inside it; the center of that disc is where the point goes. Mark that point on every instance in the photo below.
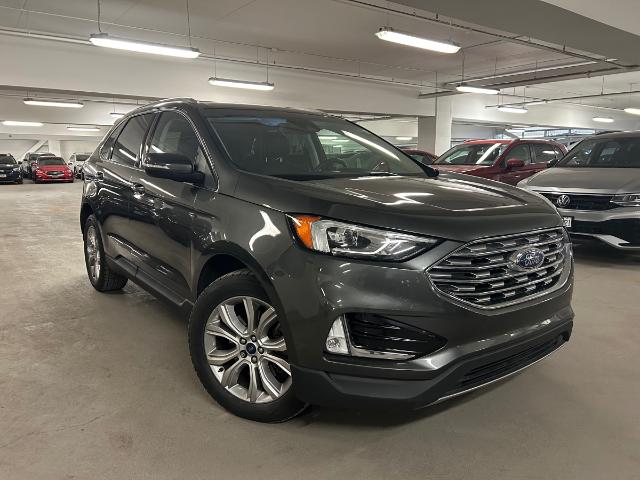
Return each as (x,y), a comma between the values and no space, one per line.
(54,147)
(434,133)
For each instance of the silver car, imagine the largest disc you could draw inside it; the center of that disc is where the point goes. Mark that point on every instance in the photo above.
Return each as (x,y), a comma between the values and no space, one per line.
(596,189)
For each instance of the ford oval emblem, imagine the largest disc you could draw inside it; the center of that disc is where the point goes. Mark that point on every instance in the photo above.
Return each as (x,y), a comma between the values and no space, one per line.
(526,259)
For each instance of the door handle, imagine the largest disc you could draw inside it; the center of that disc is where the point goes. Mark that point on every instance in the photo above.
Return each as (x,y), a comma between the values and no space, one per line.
(137,188)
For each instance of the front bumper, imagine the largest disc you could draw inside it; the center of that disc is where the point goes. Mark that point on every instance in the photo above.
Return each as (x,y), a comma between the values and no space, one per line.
(9,176)
(618,227)
(468,373)
(47,178)
(319,288)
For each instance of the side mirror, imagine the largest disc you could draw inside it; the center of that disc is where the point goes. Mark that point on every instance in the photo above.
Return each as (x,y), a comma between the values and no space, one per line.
(514,163)
(172,166)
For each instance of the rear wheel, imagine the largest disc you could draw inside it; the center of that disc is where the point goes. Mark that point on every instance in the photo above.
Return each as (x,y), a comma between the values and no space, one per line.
(101,276)
(239,352)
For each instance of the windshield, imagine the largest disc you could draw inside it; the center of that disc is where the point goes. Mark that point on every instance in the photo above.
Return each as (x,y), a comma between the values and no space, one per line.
(304,146)
(7,160)
(81,158)
(604,153)
(472,154)
(45,161)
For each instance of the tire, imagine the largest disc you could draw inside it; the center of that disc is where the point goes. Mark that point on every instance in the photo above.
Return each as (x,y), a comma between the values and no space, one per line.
(258,362)
(19,182)
(101,276)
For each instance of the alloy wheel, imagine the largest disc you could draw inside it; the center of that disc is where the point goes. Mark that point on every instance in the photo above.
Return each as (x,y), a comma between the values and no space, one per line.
(246,350)
(93,253)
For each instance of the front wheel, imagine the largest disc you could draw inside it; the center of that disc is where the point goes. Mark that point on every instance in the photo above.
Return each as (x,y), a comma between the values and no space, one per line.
(239,352)
(101,276)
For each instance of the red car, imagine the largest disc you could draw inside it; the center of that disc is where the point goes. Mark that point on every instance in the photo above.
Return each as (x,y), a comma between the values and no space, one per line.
(507,161)
(423,157)
(52,169)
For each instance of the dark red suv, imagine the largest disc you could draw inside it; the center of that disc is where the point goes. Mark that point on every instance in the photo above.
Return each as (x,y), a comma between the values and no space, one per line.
(507,161)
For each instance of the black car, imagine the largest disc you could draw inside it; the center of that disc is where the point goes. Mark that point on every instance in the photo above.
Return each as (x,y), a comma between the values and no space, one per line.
(9,169)
(314,278)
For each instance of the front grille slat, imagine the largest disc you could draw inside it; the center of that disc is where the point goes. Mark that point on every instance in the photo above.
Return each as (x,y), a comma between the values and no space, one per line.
(580,201)
(491,280)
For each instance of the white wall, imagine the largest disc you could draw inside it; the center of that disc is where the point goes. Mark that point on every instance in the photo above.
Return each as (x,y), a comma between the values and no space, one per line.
(18,147)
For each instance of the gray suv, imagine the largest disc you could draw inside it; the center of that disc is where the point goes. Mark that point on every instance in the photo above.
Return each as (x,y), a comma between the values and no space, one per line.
(596,188)
(319,263)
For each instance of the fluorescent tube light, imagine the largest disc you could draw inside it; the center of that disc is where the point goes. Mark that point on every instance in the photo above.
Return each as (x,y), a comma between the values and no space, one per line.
(404,139)
(117,115)
(470,89)
(227,82)
(52,103)
(536,102)
(603,119)
(327,137)
(16,123)
(104,40)
(83,129)
(633,111)
(390,35)
(507,109)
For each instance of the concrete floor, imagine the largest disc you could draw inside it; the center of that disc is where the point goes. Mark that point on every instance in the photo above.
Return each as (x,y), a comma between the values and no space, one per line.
(100,386)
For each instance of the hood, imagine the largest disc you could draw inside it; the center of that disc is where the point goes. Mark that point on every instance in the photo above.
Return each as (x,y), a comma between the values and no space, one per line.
(450,206)
(460,168)
(586,180)
(54,168)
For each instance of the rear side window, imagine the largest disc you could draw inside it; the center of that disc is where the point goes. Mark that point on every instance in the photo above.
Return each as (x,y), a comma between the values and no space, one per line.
(544,153)
(126,148)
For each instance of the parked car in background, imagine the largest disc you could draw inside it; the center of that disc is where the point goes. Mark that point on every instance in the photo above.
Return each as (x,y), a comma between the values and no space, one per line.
(596,188)
(51,169)
(367,280)
(423,157)
(508,161)
(29,161)
(9,169)
(76,162)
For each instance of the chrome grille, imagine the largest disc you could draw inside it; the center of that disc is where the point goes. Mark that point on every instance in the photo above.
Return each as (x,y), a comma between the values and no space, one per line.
(481,272)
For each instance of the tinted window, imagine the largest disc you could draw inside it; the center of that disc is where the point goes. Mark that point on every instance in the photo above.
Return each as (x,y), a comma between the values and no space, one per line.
(302,146)
(604,153)
(127,147)
(472,154)
(7,159)
(81,158)
(544,153)
(174,134)
(520,152)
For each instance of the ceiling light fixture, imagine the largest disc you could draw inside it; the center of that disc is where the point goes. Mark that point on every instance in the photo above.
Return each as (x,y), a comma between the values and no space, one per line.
(404,139)
(632,111)
(227,82)
(16,123)
(390,35)
(470,89)
(536,102)
(83,129)
(117,115)
(105,40)
(52,103)
(512,109)
(603,119)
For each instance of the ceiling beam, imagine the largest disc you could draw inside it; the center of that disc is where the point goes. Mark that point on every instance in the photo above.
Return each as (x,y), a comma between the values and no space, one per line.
(542,21)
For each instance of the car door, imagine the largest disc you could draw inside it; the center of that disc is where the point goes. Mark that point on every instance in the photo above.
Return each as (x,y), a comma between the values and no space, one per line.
(112,176)
(512,175)
(161,211)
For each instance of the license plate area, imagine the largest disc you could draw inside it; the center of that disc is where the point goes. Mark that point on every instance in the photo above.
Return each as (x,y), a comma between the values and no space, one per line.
(567,221)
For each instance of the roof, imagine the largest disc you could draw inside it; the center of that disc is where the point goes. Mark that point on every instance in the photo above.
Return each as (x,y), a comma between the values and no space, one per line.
(223,106)
(632,134)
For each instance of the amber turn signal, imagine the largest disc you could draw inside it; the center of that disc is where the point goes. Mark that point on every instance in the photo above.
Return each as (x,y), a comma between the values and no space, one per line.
(302,225)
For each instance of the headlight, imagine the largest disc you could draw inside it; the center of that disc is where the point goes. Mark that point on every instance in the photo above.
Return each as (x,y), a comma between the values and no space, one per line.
(347,240)
(627,200)
(16,169)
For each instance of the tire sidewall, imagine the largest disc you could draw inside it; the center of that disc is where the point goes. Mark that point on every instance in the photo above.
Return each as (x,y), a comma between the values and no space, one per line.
(92,222)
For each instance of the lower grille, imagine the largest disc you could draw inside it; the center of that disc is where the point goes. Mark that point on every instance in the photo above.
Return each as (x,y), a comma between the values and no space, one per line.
(582,202)
(627,230)
(499,368)
(484,273)
(381,334)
